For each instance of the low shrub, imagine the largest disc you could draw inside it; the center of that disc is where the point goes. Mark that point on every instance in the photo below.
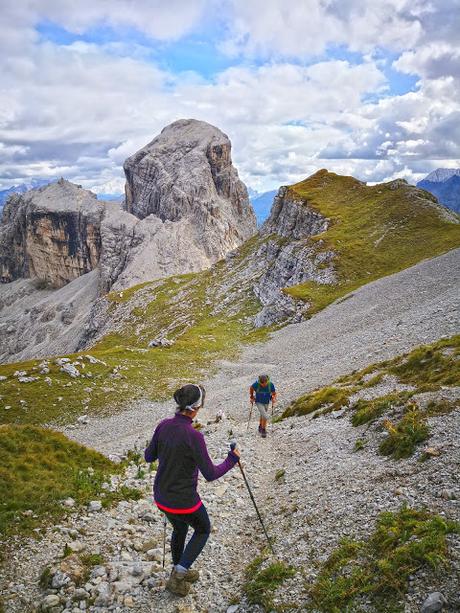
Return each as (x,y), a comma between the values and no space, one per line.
(377,570)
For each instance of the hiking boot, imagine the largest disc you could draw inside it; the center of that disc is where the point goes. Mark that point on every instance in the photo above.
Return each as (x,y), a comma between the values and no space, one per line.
(264,433)
(260,429)
(177,583)
(192,575)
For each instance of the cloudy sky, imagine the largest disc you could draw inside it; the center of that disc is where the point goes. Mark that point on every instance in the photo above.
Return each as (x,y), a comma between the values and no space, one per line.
(363,87)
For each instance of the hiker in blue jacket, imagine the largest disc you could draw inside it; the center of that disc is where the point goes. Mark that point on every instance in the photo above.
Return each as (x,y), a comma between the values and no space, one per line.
(262,392)
(181,451)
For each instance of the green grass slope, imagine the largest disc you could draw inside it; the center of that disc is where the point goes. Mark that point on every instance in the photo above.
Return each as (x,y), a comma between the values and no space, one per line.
(40,468)
(374,231)
(208,315)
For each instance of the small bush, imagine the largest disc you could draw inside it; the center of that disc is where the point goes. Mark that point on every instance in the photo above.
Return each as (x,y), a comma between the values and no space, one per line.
(261,583)
(430,366)
(441,407)
(89,560)
(367,411)
(359,444)
(403,438)
(279,474)
(330,398)
(45,578)
(41,283)
(377,570)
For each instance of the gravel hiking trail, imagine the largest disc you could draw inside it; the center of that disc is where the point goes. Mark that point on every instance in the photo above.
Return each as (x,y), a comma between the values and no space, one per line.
(312,489)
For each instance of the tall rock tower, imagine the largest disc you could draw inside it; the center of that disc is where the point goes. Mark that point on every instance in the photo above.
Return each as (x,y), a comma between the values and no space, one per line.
(186,173)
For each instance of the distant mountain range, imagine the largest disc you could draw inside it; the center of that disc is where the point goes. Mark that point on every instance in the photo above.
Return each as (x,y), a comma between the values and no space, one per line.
(262,203)
(34,183)
(21,189)
(444,183)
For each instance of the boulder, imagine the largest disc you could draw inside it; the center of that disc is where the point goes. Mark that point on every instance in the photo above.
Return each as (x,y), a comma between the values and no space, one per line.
(435,602)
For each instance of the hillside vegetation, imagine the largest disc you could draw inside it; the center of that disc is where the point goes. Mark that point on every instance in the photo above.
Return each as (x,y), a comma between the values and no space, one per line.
(202,318)
(40,468)
(375,231)
(398,396)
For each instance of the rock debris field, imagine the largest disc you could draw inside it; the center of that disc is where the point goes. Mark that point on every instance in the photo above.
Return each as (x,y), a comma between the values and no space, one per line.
(327,490)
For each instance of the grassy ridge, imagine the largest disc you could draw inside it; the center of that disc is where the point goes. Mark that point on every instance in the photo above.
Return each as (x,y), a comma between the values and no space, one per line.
(374,231)
(39,468)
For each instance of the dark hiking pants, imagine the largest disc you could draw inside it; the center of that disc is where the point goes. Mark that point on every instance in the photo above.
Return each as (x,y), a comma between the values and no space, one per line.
(199,521)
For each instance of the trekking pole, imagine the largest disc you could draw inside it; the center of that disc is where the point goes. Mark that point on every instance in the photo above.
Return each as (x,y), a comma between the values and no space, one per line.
(232,447)
(250,415)
(164,540)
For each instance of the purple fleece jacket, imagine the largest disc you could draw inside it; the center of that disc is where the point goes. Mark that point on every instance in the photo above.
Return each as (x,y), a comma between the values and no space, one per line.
(181,451)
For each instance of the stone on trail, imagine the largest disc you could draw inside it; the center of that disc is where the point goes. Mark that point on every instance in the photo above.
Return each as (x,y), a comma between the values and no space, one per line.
(50,601)
(94,506)
(103,594)
(76,546)
(59,580)
(435,602)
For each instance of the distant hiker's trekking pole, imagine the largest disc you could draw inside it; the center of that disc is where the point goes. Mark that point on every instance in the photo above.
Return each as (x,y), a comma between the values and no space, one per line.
(250,415)
(164,540)
(232,447)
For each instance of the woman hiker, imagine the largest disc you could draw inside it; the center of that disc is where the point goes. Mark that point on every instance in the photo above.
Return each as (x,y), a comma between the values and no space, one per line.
(181,452)
(262,392)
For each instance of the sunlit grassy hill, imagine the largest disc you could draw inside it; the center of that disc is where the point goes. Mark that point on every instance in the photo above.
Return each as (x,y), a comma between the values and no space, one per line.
(374,231)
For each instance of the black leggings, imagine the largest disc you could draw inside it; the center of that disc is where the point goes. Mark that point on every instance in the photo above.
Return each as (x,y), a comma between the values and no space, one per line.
(199,521)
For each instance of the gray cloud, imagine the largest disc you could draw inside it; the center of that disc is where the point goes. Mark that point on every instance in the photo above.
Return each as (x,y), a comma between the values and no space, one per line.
(80,110)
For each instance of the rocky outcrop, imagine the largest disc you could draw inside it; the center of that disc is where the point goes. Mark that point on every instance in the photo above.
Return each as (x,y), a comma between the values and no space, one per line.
(292,218)
(51,233)
(286,256)
(186,173)
(187,209)
(134,251)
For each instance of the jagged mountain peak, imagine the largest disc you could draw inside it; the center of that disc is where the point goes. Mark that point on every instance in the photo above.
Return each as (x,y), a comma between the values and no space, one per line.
(442,174)
(187,172)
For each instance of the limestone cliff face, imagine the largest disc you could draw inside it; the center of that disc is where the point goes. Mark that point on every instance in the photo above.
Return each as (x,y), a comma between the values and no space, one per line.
(286,256)
(292,218)
(187,173)
(52,233)
(186,209)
